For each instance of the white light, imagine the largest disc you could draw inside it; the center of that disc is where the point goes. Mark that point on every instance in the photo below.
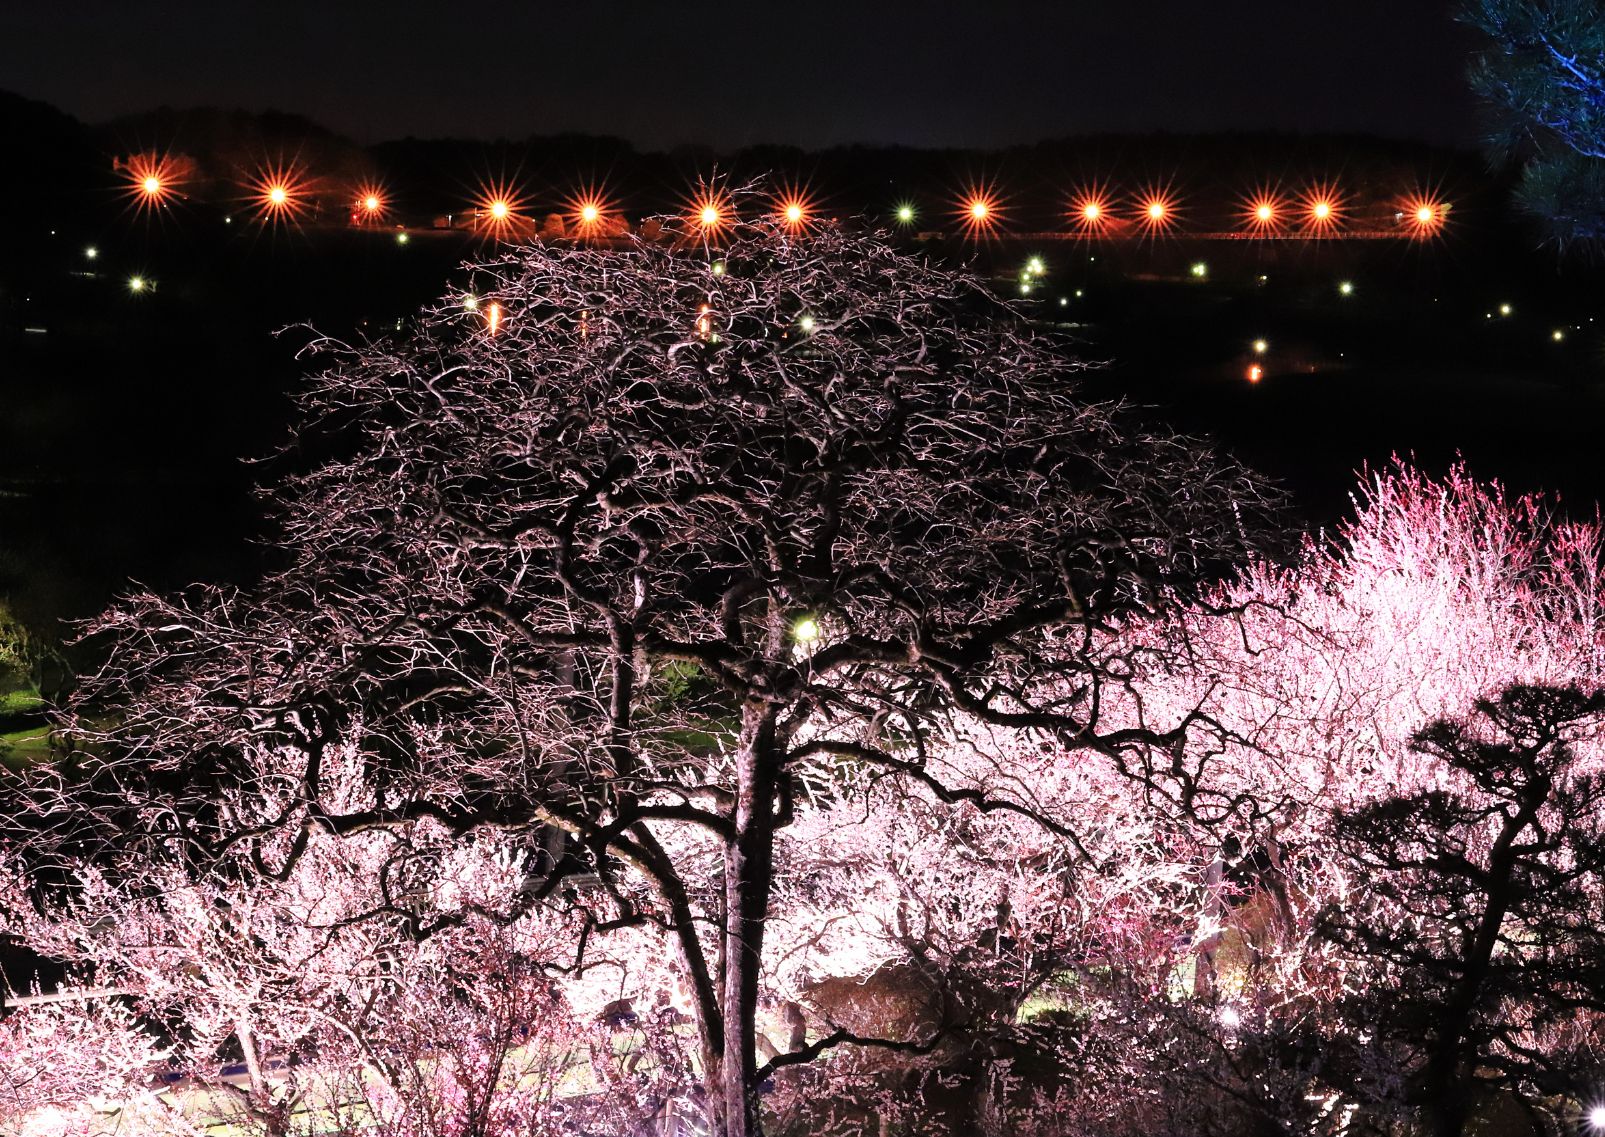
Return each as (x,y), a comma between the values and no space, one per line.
(1596,1117)
(806,630)
(470,301)
(806,323)
(136,284)
(1200,269)
(1035,266)
(1260,347)
(91,253)
(1506,310)
(401,238)
(1230,1018)
(1064,301)
(718,268)
(1346,288)
(1557,335)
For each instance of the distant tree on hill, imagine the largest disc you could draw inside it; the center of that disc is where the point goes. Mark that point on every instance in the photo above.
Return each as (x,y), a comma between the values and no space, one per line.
(1543,75)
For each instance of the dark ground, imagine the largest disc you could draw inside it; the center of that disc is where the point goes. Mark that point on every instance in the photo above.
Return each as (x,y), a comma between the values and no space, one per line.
(125,423)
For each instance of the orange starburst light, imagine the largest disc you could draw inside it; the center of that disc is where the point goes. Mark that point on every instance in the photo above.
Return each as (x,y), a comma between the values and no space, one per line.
(152,181)
(794,213)
(711,212)
(979,212)
(1089,210)
(498,210)
(1157,212)
(1425,216)
(1262,213)
(369,205)
(1323,210)
(279,194)
(588,211)
(493,318)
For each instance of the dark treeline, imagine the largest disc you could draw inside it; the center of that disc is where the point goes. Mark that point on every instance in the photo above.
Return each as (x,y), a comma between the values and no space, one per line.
(1210,174)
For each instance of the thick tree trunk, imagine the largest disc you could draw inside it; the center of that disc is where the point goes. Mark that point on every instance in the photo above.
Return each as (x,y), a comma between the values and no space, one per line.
(1446,1092)
(749,876)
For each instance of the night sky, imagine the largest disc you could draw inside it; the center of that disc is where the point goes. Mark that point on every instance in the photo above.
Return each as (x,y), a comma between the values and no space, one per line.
(929,73)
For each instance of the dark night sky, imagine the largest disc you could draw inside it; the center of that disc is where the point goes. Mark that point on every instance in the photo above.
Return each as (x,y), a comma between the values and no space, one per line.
(812,73)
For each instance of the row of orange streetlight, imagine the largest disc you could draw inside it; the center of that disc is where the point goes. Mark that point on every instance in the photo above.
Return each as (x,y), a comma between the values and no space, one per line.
(1319,211)
(280,193)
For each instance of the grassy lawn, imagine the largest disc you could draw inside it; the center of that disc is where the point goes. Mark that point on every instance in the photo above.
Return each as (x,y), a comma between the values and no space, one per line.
(23,739)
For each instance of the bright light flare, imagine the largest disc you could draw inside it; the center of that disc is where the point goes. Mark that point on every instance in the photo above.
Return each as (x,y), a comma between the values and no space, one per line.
(905,213)
(589,211)
(153,181)
(1323,210)
(138,284)
(1263,212)
(493,318)
(1255,372)
(805,630)
(794,209)
(1156,212)
(711,212)
(1425,216)
(979,212)
(279,194)
(1261,347)
(1596,1118)
(369,205)
(498,210)
(1090,210)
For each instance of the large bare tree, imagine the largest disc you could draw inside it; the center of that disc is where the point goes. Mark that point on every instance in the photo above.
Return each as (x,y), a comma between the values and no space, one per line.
(638,547)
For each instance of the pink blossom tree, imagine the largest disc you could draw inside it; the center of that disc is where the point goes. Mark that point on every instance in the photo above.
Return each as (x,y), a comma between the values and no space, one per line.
(624,581)
(1437,599)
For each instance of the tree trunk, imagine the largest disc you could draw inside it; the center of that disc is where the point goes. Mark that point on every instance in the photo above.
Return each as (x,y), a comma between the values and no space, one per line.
(1446,1094)
(749,876)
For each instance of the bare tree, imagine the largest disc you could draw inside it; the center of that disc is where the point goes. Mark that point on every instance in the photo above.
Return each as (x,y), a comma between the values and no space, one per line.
(640,548)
